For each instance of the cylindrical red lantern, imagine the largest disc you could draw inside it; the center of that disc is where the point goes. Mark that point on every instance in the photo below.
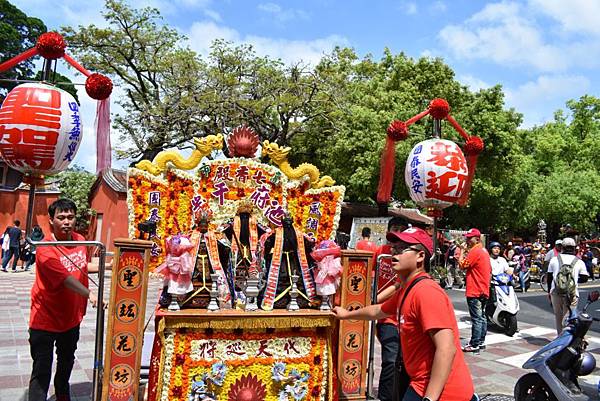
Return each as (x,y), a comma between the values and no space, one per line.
(436,173)
(40,129)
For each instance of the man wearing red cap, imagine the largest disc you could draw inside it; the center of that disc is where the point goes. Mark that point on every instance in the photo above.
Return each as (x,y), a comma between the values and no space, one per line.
(478,275)
(429,336)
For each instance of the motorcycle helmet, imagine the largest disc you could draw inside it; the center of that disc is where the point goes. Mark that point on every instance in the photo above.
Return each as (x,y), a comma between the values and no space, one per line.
(586,364)
(494,244)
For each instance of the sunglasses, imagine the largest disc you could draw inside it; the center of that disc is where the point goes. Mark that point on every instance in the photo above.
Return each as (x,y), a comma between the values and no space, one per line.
(402,251)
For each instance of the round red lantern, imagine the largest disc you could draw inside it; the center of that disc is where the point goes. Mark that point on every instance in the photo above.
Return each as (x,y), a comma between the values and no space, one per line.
(436,173)
(40,129)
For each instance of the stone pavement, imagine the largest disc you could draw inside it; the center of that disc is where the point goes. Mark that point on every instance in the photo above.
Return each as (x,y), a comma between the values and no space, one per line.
(494,371)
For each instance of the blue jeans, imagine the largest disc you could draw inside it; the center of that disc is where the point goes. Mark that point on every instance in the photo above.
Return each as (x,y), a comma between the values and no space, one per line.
(522,280)
(12,251)
(412,395)
(388,337)
(478,321)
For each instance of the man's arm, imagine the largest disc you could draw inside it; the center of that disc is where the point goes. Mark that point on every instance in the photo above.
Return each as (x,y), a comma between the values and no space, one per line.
(371,312)
(387,292)
(75,285)
(445,350)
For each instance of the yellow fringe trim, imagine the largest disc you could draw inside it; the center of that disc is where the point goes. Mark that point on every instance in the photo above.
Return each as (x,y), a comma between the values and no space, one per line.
(234,324)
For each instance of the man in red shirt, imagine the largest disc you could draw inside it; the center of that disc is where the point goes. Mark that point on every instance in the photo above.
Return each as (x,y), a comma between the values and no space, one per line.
(387,328)
(365,243)
(428,330)
(478,276)
(58,302)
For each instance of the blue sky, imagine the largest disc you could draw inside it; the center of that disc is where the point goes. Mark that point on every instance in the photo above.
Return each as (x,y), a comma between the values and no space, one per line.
(543,52)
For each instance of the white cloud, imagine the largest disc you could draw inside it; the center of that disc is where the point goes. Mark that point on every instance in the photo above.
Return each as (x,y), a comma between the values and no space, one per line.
(574,15)
(502,34)
(438,7)
(474,83)
(282,14)
(213,15)
(538,99)
(202,34)
(409,8)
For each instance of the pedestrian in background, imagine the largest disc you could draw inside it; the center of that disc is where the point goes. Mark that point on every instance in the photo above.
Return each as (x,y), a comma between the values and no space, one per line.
(14,246)
(58,303)
(565,295)
(478,277)
(36,235)
(365,244)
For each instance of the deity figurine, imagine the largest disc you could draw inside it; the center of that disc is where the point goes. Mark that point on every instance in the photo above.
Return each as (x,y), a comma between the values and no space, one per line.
(243,234)
(210,255)
(286,254)
(329,269)
(178,266)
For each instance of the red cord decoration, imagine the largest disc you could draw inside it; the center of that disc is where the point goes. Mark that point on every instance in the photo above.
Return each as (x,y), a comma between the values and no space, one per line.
(439,108)
(98,86)
(397,131)
(51,45)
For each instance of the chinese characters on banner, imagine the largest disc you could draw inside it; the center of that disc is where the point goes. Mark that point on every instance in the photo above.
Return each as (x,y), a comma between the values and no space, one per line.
(126,322)
(353,335)
(40,129)
(436,173)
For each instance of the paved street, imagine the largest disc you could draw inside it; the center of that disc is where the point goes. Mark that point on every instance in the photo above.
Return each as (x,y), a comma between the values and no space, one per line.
(494,371)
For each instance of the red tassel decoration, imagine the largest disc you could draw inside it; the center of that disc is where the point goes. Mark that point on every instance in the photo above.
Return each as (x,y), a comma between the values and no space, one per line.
(51,45)
(473,147)
(386,172)
(439,108)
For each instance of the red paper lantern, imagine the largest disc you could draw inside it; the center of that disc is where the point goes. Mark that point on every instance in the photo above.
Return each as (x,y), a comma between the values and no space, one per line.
(40,129)
(98,86)
(51,45)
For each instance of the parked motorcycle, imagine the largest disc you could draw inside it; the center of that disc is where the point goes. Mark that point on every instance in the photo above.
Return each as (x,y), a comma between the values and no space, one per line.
(502,311)
(558,364)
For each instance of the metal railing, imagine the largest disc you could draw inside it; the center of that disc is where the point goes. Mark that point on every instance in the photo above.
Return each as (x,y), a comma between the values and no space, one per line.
(99,340)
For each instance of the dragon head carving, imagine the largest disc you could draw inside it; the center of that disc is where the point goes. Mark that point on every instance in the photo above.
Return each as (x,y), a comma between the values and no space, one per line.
(208,143)
(275,152)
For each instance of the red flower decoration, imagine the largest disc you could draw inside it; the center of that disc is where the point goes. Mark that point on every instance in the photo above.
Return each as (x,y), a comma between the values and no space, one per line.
(397,131)
(474,145)
(98,86)
(247,388)
(439,108)
(51,45)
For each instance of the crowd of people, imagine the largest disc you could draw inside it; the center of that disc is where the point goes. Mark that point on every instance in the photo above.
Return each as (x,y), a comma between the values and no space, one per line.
(15,248)
(422,357)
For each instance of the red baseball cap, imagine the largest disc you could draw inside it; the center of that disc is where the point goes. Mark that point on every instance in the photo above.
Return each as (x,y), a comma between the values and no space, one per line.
(473,232)
(412,235)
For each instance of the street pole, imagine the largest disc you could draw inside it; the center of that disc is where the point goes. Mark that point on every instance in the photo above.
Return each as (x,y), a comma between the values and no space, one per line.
(46,69)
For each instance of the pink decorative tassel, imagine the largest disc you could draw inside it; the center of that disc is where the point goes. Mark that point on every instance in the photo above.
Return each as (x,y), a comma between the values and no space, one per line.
(103,150)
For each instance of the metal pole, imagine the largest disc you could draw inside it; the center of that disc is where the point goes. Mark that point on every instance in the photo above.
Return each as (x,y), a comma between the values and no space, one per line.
(98,351)
(30,205)
(437,128)
(370,370)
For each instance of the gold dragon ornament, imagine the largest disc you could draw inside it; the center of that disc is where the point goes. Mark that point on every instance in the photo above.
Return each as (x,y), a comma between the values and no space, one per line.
(278,155)
(204,147)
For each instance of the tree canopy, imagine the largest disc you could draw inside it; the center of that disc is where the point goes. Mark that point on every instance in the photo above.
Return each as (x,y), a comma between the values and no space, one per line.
(335,114)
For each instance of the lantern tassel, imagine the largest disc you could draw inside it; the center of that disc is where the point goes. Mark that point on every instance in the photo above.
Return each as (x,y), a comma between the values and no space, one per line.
(386,172)
(471,166)
(103,149)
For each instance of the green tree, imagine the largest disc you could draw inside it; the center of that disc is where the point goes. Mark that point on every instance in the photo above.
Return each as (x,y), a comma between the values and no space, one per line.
(18,32)
(75,183)
(172,94)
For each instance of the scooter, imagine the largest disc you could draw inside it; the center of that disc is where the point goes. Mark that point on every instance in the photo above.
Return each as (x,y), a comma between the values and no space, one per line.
(503,310)
(558,364)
